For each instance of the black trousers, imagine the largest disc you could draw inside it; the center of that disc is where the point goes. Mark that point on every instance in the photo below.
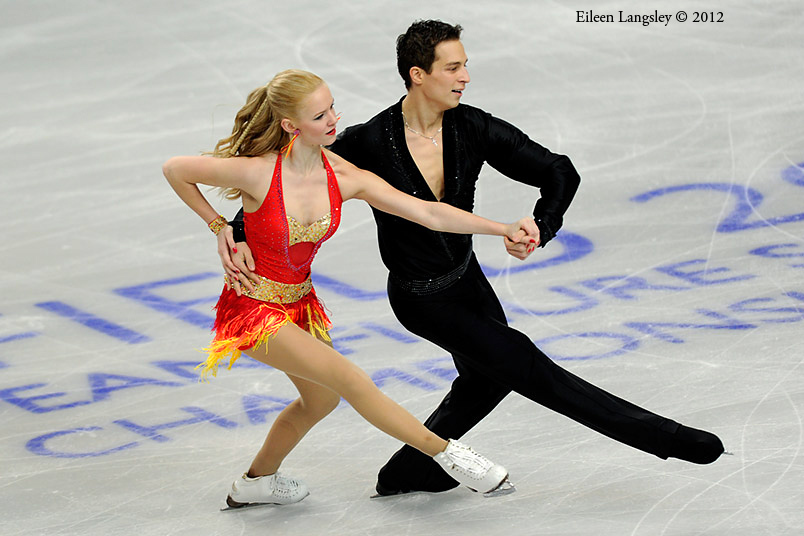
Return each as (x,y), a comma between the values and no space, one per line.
(492,360)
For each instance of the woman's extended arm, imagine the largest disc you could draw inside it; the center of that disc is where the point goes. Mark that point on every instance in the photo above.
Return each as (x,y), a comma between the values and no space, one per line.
(361,184)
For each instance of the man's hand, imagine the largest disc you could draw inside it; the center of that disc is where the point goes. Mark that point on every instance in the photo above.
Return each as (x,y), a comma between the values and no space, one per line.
(237,262)
(528,239)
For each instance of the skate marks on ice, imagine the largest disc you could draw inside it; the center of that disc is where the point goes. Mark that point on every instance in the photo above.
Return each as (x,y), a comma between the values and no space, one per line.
(675,282)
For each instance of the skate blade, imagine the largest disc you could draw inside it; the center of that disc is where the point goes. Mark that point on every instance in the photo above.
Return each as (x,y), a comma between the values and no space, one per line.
(231,504)
(403,493)
(246,506)
(506,487)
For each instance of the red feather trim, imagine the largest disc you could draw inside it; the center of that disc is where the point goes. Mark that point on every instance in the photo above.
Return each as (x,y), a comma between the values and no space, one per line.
(242,323)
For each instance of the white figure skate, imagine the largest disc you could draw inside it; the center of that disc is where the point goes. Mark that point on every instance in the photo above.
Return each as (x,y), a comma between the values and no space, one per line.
(270,489)
(474,471)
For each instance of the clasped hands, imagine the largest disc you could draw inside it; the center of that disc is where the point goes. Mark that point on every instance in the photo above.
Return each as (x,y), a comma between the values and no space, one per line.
(522,238)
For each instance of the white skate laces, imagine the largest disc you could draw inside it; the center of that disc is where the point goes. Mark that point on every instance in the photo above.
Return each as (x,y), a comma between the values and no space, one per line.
(473,470)
(270,489)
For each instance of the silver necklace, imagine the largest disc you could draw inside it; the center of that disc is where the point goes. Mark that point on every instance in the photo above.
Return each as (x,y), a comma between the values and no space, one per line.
(431,138)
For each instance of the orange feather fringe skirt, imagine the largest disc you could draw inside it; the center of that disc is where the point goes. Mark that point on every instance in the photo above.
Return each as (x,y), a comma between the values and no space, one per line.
(242,323)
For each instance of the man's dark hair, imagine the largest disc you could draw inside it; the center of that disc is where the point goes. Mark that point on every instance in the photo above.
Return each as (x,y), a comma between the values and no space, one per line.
(416,47)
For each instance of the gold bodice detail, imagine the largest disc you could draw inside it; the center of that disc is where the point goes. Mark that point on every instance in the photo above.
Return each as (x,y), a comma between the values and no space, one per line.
(310,233)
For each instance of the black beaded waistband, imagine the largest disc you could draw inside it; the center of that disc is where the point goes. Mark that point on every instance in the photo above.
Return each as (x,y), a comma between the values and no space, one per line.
(424,287)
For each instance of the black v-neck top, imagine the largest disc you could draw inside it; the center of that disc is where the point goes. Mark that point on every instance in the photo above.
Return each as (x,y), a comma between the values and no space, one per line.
(470,137)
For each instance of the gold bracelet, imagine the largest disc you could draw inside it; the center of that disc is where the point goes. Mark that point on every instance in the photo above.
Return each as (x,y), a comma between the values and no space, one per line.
(217,224)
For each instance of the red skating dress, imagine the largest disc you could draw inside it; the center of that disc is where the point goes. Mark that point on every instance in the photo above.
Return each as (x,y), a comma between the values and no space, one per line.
(283,252)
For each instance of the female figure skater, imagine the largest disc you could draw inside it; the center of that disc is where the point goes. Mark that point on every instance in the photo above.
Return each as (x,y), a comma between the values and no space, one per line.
(275,162)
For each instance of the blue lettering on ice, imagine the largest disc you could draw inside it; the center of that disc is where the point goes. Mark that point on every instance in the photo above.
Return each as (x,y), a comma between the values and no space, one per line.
(749,306)
(584,303)
(774,251)
(381,376)
(30,403)
(627,344)
(187,369)
(182,369)
(625,287)
(180,309)
(395,335)
(199,415)
(622,286)
(101,385)
(344,289)
(433,366)
(17,336)
(258,407)
(700,277)
(794,174)
(398,336)
(337,342)
(747,201)
(94,322)
(656,329)
(38,445)
(575,247)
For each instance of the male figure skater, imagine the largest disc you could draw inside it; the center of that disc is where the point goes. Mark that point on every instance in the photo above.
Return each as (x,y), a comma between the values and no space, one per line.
(431,146)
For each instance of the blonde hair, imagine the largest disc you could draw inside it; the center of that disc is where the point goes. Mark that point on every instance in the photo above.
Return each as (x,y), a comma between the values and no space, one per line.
(257,129)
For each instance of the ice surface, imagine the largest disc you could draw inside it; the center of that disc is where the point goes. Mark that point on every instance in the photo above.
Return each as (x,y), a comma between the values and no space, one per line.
(677,281)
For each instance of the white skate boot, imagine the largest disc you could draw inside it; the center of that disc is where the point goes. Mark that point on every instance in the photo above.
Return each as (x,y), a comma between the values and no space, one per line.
(270,489)
(474,471)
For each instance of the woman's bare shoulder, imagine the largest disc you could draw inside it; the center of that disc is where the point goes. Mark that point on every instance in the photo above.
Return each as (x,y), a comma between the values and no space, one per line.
(256,168)
(338,163)
(262,161)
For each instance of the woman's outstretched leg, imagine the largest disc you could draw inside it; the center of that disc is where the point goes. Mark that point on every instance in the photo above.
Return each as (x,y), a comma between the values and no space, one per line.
(292,424)
(262,483)
(296,353)
(314,403)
